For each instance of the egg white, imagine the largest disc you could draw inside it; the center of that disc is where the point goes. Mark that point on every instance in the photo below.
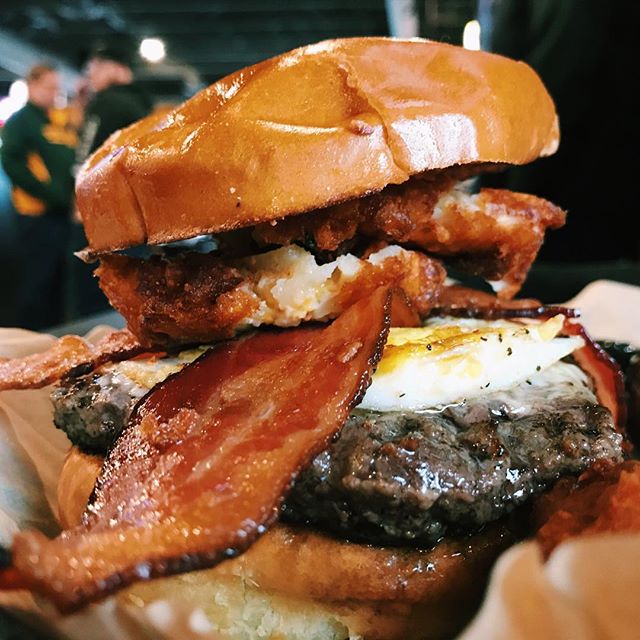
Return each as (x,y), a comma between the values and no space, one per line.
(451,359)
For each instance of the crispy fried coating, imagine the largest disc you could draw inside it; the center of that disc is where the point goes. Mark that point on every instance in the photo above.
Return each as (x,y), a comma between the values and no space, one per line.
(192,297)
(198,298)
(495,234)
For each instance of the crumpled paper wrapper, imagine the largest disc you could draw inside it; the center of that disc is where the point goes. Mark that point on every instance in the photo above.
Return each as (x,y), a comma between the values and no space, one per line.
(32,453)
(587,590)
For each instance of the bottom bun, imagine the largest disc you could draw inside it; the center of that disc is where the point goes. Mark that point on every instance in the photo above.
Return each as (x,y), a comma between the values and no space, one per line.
(295,583)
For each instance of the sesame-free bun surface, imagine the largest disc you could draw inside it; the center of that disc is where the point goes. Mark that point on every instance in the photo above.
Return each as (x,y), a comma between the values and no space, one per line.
(318,125)
(293,581)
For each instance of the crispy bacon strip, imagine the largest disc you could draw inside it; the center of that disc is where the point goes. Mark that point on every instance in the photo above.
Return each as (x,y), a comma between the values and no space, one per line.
(604,370)
(66,355)
(463,302)
(403,313)
(207,457)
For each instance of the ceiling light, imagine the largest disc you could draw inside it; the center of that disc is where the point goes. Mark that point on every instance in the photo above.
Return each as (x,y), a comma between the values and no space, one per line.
(152,49)
(18,91)
(471,35)
(17,98)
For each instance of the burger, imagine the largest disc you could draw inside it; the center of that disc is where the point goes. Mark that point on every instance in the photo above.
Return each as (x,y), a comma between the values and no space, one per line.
(307,424)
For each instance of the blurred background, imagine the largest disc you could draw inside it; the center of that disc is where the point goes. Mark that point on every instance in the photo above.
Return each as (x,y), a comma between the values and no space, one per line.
(114,61)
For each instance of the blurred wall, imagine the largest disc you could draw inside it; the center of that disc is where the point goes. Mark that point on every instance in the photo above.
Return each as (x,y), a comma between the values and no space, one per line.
(8,248)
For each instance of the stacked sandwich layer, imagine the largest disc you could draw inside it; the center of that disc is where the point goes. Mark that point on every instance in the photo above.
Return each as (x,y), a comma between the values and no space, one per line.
(335,184)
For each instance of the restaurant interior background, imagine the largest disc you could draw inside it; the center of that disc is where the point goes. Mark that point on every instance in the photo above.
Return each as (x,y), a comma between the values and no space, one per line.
(582,48)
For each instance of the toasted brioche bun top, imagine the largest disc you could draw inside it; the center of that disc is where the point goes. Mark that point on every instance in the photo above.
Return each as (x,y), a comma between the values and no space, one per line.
(316,126)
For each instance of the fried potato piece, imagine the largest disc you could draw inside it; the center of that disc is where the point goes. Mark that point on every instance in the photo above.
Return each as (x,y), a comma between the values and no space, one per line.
(495,234)
(198,298)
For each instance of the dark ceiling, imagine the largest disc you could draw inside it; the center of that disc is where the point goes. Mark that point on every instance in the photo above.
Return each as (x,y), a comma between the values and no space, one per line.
(215,37)
(212,37)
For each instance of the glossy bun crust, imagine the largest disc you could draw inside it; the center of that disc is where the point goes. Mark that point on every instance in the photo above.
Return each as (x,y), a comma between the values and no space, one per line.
(372,592)
(318,125)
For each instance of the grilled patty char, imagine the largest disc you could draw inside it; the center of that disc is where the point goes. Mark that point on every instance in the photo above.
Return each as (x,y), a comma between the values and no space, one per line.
(397,477)
(93,409)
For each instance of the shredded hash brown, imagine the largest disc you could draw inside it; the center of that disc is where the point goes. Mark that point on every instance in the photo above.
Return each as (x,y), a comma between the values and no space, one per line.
(197,298)
(495,234)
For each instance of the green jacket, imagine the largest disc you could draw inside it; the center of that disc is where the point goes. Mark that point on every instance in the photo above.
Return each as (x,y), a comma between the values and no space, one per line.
(37,153)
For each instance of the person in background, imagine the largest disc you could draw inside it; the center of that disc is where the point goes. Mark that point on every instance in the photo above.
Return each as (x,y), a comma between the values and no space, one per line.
(37,154)
(116,101)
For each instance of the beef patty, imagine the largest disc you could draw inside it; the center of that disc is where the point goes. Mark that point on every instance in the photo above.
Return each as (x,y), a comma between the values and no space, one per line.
(397,477)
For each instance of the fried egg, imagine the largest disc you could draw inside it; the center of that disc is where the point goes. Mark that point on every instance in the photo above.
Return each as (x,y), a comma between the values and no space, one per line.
(291,286)
(447,361)
(450,360)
